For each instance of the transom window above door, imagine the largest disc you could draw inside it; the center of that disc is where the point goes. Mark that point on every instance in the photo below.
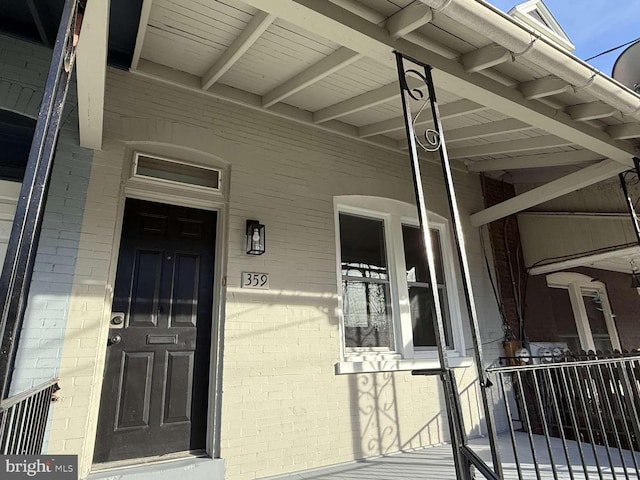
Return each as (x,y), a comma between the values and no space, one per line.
(385,286)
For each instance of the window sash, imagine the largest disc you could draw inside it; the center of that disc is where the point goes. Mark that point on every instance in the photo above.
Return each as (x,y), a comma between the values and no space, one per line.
(423,335)
(393,218)
(367,307)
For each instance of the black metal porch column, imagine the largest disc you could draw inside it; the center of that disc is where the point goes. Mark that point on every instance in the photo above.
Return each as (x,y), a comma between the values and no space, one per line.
(25,233)
(630,206)
(434,141)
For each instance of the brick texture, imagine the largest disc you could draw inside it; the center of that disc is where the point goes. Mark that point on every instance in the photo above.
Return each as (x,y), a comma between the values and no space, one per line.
(283,407)
(23,70)
(510,273)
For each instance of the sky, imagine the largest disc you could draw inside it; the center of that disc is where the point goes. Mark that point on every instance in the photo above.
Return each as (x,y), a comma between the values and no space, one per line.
(593,25)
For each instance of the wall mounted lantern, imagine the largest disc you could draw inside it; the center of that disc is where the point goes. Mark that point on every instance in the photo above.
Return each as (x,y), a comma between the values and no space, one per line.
(255,238)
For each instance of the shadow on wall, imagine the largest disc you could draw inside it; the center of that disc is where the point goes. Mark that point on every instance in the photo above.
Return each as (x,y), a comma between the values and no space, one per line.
(376,413)
(242,306)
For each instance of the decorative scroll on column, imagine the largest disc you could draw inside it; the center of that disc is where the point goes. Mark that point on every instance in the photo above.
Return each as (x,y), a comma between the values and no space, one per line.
(428,138)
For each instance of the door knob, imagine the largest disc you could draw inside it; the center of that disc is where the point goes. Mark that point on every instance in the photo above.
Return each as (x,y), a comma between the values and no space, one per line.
(114,340)
(117,319)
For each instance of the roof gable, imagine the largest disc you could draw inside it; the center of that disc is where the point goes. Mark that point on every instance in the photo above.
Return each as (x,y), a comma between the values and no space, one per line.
(536,15)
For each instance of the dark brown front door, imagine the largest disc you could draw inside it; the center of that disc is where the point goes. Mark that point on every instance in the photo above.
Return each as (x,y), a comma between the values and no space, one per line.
(154,393)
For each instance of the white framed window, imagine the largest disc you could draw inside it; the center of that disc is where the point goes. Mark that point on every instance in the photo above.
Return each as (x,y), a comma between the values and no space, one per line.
(385,287)
(595,327)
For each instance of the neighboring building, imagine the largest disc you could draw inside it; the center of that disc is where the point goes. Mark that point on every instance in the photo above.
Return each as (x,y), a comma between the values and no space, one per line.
(210,114)
(581,252)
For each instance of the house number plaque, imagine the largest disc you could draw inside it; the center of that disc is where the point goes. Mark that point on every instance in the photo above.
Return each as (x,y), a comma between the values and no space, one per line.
(255,280)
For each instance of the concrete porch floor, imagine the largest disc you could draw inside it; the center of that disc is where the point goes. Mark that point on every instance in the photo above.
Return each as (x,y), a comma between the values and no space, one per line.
(436,463)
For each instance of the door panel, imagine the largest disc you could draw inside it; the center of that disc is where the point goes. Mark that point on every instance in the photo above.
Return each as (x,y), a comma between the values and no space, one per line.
(145,295)
(134,394)
(155,387)
(177,393)
(184,298)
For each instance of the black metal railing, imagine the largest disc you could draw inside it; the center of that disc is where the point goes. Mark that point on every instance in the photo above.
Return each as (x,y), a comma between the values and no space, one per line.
(578,417)
(23,420)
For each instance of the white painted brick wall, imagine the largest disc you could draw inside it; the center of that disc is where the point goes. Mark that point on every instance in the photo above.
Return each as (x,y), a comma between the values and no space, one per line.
(23,70)
(284,409)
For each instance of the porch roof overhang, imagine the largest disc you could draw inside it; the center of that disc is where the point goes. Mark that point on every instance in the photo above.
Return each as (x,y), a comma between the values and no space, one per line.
(615,259)
(512,102)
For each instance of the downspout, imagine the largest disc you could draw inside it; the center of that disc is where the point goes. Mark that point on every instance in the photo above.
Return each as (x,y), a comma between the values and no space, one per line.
(522,40)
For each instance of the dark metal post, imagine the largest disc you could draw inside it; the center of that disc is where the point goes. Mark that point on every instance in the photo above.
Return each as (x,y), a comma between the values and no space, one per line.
(463,467)
(25,233)
(435,140)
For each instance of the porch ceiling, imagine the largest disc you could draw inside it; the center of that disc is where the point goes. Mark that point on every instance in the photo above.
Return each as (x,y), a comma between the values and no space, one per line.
(329,65)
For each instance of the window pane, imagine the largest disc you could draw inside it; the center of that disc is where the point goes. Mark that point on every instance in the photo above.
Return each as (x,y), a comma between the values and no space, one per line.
(177,172)
(367,314)
(421,297)
(597,323)
(422,316)
(565,322)
(362,247)
(415,258)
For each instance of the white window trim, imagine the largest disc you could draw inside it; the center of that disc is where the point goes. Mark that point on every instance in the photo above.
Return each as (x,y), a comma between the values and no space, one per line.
(167,191)
(394,214)
(576,284)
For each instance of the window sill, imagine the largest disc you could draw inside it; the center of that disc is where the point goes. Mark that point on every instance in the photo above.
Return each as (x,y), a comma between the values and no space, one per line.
(397,365)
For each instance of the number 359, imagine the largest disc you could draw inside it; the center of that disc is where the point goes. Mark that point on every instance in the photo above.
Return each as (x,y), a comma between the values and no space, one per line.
(255,280)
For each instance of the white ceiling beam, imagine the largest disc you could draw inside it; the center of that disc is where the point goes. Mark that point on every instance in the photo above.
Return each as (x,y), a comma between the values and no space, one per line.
(243,42)
(358,103)
(91,67)
(325,67)
(543,87)
(377,18)
(176,78)
(590,111)
(361,102)
(536,175)
(485,57)
(408,19)
(624,131)
(567,184)
(534,161)
(449,110)
(361,35)
(142,31)
(510,146)
(508,125)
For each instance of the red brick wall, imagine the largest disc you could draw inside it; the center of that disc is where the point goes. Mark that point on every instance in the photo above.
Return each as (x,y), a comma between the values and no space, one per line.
(505,244)
(541,318)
